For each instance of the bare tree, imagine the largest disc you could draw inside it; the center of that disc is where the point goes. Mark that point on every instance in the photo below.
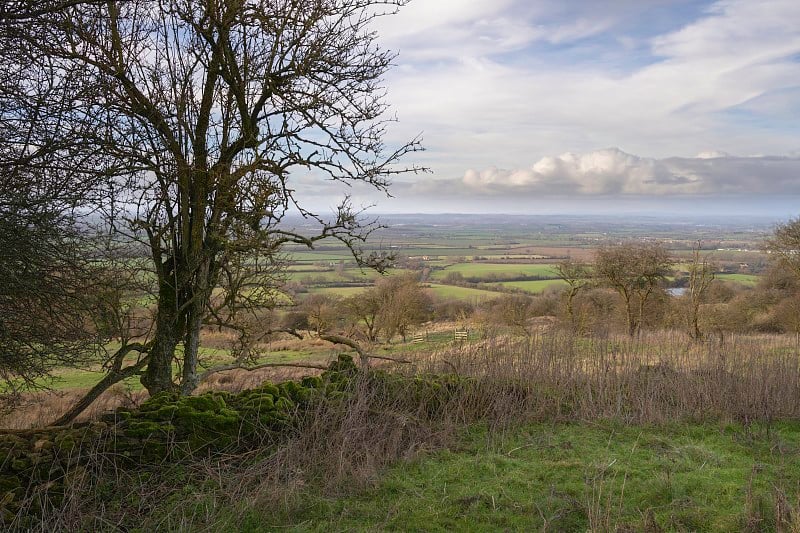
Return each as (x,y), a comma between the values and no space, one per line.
(634,271)
(323,312)
(18,10)
(363,310)
(512,310)
(784,245)
(402,304)
(701,275)
(192,115)
(577,276)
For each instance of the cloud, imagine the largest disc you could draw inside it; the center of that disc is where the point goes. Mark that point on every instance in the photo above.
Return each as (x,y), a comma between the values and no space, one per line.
(616,173)
(509,81)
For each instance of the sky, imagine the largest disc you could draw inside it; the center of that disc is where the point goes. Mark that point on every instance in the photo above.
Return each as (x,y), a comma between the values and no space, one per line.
(586,106)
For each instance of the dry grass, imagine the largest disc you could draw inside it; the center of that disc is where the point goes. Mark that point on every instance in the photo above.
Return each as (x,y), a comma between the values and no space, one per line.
(38,409)
(551,376)
(655,378)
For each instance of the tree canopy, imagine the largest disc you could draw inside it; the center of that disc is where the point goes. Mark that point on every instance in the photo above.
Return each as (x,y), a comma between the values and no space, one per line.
(187,121)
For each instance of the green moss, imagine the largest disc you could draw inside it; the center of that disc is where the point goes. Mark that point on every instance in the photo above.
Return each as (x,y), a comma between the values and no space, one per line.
(146,428)
(344,366)
(205,402)
(9,483)
(268,388)
(259,403)
(20,464)
(167,412)
(312,382)
(284,404)
(159,400)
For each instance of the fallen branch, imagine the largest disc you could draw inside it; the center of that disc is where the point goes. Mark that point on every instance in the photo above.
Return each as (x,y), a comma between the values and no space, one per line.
(338,339)
(363,355)
(224,368)
(387,358)
(116,375)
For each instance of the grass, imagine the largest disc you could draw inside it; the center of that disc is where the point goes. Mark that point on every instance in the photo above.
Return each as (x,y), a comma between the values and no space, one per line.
(535,286)
(338,291)
(745,279)
(551,432)
(571,477)
(461,293)
(319,256)
(69,379)
(498,269)
(444,291)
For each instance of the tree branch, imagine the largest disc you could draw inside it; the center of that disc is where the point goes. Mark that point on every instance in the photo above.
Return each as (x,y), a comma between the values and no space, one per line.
(115,376)
(363,355)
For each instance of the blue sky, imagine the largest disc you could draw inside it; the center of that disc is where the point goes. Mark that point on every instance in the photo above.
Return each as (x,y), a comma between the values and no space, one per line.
(597,106)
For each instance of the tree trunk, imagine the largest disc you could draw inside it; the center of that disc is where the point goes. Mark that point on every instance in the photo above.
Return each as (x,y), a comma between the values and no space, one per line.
(158,376)
(640,318)
(632,326)
(190,349)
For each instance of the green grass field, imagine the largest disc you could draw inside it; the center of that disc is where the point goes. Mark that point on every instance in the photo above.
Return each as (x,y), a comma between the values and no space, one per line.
(573,477)
(461,293)
(344,292)
(745,279)
(497,269)
(67,379)
(319,256)
(535,286)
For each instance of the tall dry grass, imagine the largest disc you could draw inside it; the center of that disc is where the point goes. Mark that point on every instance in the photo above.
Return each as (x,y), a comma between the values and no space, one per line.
(342,445)
(654,378)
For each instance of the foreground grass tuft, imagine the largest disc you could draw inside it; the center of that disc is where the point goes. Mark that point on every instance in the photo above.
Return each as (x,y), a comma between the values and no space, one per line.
(574,477)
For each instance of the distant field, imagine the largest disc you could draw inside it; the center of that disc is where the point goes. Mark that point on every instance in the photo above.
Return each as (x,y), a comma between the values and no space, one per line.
(439,252)
(330,276)
(304,268)
(319,256)
(462,293)
(534,286)
(497,269)
(67,379)
(338,291)
(745,279)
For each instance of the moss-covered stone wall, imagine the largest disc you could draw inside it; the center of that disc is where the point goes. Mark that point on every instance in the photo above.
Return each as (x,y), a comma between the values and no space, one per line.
(36,466)
(166,426)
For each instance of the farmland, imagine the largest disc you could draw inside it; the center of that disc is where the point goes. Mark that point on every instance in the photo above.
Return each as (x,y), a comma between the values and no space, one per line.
(475,260)
(518,253)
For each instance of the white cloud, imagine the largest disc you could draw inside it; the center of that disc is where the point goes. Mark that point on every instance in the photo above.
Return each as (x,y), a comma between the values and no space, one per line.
(679,93)
(614,172)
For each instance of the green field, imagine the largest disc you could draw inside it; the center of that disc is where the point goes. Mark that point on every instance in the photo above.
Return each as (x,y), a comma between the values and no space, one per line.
(534,286)
(497,269)
(461,293)
(573,477)
(314,256)
(67,379)
(444,291)
(338,291)
(745,279)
